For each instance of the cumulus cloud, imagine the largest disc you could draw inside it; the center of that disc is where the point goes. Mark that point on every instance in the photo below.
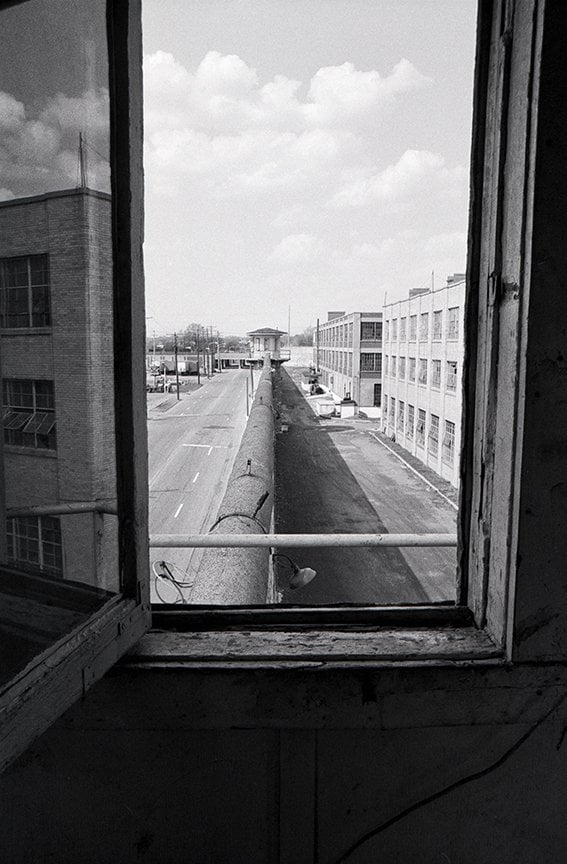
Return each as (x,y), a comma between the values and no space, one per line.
(39,149)
(224,95)
(340,92)
(416,172)
(239,134)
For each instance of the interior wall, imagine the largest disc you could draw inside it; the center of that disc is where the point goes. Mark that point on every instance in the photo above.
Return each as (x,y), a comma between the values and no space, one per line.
(289,766)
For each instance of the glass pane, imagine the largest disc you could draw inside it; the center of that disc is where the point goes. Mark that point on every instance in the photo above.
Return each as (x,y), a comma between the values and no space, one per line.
(58,530)
(306,174)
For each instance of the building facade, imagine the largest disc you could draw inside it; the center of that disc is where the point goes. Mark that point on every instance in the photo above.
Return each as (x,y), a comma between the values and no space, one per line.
(56,370)
(347,350)
(422,375)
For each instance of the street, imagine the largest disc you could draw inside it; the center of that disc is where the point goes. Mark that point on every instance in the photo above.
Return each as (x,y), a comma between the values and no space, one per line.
(192,445)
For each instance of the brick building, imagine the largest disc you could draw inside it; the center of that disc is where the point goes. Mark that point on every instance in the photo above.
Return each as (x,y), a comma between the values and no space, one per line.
(57,379)
(348,352)
(423,359)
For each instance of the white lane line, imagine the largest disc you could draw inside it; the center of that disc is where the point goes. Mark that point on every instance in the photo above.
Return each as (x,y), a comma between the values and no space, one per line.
(208,447)
(195,477)
(178,511)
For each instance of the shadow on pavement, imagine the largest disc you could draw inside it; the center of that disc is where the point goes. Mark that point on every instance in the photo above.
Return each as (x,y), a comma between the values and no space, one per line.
(316,493)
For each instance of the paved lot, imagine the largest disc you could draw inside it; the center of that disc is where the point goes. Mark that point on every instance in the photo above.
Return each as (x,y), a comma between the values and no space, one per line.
(336,476)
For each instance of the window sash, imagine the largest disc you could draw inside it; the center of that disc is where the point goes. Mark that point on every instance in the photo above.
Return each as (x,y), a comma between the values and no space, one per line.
(24,292)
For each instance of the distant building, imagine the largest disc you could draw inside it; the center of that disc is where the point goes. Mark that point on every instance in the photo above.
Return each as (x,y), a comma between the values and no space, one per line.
(264,340)
(56,370)
(422,375)
(348,352)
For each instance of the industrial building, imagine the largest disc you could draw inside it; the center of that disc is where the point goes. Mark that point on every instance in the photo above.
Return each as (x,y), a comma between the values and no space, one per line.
(347,351)
(422,375)
(56,367)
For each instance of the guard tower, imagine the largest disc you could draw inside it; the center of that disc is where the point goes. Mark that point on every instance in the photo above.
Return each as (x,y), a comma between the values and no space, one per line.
(266,341)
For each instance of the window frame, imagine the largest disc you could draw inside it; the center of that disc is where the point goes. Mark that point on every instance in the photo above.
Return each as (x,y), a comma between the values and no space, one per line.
(29,290)
(498,607)
(33,410)
(15,534)
(494,109)
(436,379)
(56,677)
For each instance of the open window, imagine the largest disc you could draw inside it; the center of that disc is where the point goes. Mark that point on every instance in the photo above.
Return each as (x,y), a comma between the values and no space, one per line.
(512,548)
(73,493)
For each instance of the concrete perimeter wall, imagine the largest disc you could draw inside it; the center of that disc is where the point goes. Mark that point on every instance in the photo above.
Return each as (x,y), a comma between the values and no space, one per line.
(242,576)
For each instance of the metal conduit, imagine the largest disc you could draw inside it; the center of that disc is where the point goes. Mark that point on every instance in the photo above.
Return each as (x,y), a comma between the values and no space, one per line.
(174,541)
(63,509)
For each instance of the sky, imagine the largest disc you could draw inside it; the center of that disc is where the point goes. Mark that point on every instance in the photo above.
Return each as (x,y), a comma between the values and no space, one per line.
(300,155)
(303,156)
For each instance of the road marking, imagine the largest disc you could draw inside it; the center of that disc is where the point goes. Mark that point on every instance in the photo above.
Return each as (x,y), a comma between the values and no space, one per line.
(413,470)
(195,477)
(209,447)
(178,511)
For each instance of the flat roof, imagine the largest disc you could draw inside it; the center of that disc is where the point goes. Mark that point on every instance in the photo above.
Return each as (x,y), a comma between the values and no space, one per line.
(57,193)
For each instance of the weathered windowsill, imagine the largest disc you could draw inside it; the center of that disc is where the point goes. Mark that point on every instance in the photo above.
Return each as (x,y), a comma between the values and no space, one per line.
(327,649)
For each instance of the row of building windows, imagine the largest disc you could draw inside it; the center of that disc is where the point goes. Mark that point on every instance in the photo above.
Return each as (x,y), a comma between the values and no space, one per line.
(341,361)
(404,332)
(403,420)
(24,292)
(398,367)
(338,361)
(341,335)
(28,413)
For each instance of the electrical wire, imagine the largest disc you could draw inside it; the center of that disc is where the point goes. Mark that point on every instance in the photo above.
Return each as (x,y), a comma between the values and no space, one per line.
(166,575)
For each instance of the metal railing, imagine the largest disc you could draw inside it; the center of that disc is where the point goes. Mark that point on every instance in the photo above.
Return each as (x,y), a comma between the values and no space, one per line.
(182,541)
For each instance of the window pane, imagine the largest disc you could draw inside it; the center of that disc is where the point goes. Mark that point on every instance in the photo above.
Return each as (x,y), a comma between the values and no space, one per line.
(280,196)
(58,529)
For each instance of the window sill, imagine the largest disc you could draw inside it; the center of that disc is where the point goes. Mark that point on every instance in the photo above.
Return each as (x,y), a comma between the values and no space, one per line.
(25,331)
(327,649)
(30,451)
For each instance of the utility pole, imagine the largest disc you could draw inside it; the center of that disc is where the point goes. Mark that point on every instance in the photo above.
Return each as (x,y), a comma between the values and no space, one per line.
(176,366)
(317,347)
(198,355)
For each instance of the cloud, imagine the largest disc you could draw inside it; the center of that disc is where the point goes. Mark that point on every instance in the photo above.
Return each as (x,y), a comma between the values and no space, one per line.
(6,194)
(224,95)
(298,249)
(241,135)
(342,92)
(39,150)
(417,172)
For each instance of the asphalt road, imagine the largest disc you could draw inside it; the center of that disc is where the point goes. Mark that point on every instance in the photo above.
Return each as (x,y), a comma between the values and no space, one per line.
(192,446)
(335,476)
